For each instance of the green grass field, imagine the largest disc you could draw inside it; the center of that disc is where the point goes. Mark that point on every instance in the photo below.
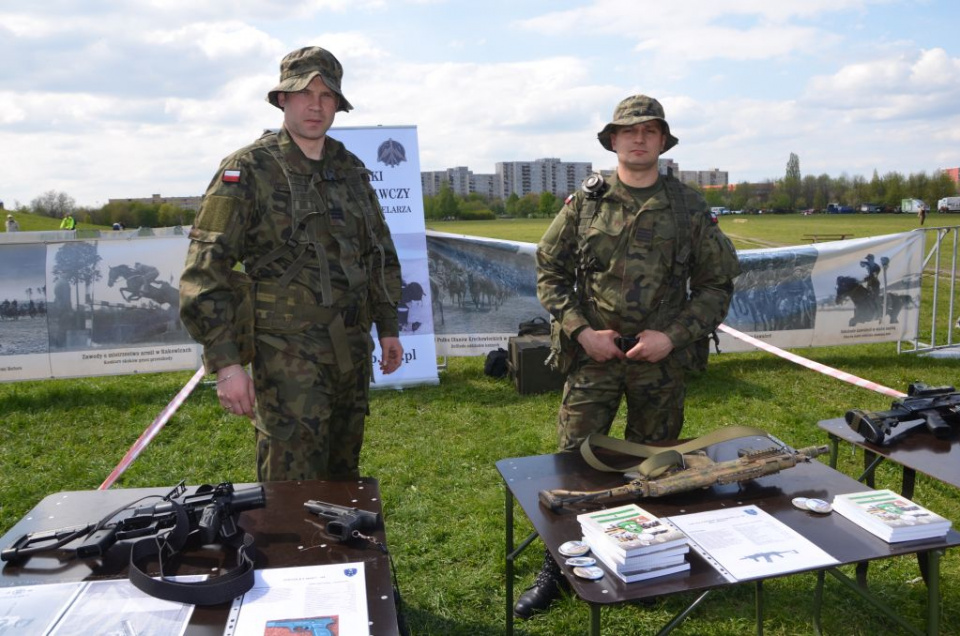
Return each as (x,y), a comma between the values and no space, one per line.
(433,450)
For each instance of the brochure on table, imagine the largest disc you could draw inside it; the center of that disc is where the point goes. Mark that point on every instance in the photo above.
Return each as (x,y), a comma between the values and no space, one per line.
(747,543)
(313,599)
(66,609)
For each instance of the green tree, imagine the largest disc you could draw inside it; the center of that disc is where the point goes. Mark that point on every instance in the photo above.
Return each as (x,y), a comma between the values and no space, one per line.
(447,203)
(548,205)
(894,186)
(527,206)
(792,182)
(513,201)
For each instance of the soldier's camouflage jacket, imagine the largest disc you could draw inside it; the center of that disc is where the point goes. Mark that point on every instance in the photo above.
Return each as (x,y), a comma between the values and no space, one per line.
(335,248)
(635,265)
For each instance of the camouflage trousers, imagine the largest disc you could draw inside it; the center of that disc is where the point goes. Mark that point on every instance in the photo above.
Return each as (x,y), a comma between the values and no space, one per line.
(309,417)
(593,391)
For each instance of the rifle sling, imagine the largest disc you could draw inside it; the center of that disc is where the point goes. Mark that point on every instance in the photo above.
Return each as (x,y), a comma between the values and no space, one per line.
(222,589)
(658,459)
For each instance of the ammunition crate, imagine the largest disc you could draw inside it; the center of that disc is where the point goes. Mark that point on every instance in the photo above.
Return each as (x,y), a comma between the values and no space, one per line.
(526,357)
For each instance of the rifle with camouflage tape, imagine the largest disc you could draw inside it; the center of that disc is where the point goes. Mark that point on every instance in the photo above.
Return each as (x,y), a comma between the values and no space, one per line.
(699,471)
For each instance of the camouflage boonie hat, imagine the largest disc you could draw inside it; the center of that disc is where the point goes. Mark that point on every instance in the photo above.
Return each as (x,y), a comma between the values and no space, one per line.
(299,68)
(636,110)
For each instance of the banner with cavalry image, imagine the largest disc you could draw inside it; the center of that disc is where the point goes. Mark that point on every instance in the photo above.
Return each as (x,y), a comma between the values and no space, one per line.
(842,292)
(109,306)
(107,303)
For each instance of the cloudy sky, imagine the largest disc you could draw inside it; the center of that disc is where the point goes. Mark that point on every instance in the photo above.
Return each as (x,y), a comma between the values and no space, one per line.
(127,98)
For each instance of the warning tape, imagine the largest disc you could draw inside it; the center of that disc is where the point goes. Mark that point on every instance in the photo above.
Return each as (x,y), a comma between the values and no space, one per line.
(810,364)
(153,429)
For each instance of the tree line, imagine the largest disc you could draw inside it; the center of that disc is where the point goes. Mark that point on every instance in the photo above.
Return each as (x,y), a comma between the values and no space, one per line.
(795,192)
(792,193)
(130,214)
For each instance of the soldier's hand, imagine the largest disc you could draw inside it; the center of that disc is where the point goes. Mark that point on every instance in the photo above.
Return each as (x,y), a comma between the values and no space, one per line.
(600,345)
(235,390)
(653,346)
(391,354)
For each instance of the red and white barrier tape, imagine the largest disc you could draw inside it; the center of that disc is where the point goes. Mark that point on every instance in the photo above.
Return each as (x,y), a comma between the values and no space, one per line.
(810,364)
(153,429)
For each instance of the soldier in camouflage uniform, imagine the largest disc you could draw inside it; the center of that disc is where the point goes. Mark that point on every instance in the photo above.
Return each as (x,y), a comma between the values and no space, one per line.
(642,257)
(296,208)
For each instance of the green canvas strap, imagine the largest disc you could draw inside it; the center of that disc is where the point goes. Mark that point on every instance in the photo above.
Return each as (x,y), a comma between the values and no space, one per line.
(657,459)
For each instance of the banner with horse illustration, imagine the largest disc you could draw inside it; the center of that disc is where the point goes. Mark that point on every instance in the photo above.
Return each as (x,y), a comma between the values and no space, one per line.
(842,292)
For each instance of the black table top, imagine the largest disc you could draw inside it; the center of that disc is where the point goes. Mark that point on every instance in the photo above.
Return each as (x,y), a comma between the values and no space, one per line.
(842,539)
(285,536)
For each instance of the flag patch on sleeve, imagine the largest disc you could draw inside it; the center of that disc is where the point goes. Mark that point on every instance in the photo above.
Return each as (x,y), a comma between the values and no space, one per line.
(231,176)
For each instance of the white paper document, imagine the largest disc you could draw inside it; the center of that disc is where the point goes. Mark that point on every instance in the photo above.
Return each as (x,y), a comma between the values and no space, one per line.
(313,599)
(747,543)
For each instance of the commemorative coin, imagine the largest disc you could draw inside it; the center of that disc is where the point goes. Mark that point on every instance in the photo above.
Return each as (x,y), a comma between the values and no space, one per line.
(591,572)
(819,506)
(800,502)
(580,562)
(574,548)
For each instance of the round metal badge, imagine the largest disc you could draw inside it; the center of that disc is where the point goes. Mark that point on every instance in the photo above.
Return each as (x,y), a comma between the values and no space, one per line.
(819,506)
(592,572)
(574,548)
(580,562)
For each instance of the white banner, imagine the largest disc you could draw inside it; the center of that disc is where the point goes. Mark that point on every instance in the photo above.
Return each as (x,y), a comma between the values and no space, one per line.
(110,305)
(844,292)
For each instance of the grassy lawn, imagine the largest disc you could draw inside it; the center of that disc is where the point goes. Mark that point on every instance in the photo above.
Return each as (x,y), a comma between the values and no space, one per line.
(433,449)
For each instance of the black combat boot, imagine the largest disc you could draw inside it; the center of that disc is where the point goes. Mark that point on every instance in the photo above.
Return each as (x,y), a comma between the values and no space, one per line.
(546,587)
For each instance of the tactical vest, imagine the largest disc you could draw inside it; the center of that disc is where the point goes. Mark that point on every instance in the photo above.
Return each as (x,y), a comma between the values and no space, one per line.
(282,308)
(695,355)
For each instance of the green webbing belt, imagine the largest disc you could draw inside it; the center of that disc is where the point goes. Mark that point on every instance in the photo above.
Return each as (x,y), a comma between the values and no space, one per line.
(658,459)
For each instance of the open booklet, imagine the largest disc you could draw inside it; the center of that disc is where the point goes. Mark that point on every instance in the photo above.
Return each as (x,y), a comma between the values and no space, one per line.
(66,609)
(747,543)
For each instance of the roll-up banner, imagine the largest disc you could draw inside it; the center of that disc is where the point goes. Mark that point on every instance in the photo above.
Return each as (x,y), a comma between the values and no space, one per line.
(106,303)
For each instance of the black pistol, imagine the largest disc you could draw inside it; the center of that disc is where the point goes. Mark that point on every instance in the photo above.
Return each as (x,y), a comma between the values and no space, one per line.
(342,521)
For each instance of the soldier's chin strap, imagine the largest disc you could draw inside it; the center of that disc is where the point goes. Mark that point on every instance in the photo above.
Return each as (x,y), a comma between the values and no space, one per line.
(658,459)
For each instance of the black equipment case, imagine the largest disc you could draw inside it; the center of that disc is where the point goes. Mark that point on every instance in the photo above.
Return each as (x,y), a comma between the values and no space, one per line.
(527,355)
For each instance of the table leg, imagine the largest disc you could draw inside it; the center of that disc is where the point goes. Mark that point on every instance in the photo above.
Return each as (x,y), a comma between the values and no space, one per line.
(759,602)
(818,602)
(594,619)
(834,450)
(511,555)
(933,591)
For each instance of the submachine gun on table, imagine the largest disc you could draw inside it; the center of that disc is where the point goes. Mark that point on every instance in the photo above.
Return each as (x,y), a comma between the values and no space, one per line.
(938,407)
(210,512)
(695,471)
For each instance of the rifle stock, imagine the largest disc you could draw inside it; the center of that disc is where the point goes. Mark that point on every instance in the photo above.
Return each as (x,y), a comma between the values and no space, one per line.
(749,466)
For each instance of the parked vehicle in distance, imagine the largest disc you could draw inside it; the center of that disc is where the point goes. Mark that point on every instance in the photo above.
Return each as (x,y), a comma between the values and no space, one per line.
(948,204)
(871,208)
(836,208)
(719,211)
(913,206)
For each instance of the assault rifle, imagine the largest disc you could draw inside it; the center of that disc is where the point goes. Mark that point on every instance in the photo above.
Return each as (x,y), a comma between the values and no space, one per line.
(211,511)
(699,472)
(162,529)
(938,407)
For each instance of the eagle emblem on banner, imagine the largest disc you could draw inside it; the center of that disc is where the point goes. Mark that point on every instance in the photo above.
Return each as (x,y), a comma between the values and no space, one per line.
(391,153)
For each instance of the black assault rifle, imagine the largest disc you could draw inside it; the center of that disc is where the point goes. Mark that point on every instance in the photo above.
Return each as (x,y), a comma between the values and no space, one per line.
(938,407)
(211,510)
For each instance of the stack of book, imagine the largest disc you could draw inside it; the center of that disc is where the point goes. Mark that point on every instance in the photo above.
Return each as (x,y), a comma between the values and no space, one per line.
(890,516)
(633,544)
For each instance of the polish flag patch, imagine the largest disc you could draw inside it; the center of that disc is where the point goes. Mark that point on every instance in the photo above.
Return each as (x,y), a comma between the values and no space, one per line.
(231,176)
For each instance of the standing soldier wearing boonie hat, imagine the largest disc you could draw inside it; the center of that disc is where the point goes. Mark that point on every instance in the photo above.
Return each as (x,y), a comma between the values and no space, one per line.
(636,275)
(297,210)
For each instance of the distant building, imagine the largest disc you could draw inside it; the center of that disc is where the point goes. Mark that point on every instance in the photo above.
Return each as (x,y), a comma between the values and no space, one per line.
(460,180)
(702,178)
(542,175)
(185,203)
(953,173)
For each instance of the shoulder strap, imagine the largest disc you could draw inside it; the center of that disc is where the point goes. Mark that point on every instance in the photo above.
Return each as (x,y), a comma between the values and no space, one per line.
(682,219)
(222,589)
(657,459)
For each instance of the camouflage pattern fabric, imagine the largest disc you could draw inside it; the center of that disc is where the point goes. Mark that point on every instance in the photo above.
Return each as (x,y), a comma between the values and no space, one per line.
(632,280)
(247,216)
